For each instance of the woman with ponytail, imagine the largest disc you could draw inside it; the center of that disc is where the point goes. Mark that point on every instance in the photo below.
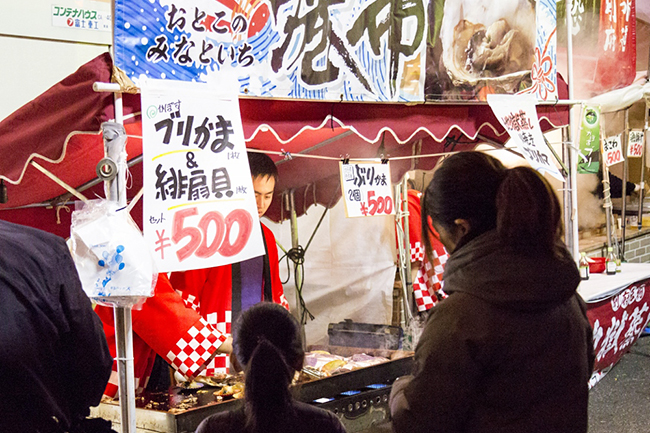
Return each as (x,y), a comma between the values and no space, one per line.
(510,350)
(267,344)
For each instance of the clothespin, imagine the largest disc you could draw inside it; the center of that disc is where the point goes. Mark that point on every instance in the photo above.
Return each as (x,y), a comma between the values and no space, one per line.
(287,155)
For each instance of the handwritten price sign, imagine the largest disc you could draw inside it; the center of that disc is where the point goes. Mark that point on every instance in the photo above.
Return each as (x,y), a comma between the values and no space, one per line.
(203,242)
(199,204)
(366,188)
(612,150)
(635,144)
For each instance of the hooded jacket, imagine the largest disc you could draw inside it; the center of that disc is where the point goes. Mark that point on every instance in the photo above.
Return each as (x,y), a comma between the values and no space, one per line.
(53,353)
(509,351)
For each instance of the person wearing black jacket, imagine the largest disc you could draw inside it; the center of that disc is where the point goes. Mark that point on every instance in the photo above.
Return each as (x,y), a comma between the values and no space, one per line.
(510,349)
(615,186)
(53,354)
(267,343)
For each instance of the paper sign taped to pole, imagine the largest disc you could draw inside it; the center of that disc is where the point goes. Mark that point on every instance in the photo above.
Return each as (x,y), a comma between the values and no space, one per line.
(635,144)
(518,116)
(366,188)
(199,204)
(612,150)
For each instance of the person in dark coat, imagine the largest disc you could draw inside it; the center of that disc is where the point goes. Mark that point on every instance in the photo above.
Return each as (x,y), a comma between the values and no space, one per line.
(267,343)
(53,354)
(510,350)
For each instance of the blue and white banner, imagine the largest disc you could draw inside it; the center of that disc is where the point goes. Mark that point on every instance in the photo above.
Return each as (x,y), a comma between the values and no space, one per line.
(335,50)
(350,50)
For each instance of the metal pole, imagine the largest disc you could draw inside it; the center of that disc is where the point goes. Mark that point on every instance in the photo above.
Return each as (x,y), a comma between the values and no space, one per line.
(626,136)
(571,219)
(115,189)
(408,283)
(297,268)
(122,314)
(639,223)
(125,370)
(607,196)
(566,191)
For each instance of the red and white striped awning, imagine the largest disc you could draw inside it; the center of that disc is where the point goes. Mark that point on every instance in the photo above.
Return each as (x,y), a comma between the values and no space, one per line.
(60,130)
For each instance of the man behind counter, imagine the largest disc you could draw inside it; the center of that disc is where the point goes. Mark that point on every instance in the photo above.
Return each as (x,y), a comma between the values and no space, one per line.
(221,293)
(187,322)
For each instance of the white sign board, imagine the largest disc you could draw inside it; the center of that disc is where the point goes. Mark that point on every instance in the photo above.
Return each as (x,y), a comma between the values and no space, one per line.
(366,188)
(518,116)
(199,203)
(635,144)
(89,17)
(612,150)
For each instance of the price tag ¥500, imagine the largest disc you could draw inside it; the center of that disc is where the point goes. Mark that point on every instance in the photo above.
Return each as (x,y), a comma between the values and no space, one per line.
(635,144)
(612,153)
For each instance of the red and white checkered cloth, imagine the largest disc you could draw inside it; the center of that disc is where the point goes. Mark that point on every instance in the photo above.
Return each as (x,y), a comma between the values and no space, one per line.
(220,363)
(195,348)
(427,285)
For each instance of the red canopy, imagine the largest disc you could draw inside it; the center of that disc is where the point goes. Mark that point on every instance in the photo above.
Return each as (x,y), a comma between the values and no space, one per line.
(61,131)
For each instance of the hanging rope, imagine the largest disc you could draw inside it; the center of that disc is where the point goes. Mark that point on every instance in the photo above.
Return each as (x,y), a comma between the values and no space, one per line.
(297,256)
(58,210)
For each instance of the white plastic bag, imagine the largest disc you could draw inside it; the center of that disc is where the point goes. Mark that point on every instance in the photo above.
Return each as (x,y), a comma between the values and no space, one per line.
(111,256)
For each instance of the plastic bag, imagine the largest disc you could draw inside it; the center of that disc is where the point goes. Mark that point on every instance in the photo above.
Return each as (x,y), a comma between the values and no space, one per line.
(111,255)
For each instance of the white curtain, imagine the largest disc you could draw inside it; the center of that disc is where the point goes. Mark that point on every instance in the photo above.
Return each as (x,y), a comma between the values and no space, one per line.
(349,268)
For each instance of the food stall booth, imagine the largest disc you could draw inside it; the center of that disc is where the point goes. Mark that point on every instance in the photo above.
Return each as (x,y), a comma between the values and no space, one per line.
(67,145)
(618,305)
(58,136)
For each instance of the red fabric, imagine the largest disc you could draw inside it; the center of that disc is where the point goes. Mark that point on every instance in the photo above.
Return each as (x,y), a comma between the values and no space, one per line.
(415,227)
(62,125)
(370,120)
(616,64)
(41,120)
(209,292)
(617,322)
(427,283)
(164,326)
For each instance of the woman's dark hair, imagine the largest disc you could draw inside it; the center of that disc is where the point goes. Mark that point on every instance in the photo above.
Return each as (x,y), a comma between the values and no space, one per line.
(267,341)
(518,202)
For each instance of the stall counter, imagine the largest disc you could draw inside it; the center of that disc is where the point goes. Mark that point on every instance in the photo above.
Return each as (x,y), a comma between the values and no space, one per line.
(618,311)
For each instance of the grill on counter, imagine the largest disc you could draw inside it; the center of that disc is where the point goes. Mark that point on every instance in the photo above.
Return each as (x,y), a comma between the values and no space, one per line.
(359,398)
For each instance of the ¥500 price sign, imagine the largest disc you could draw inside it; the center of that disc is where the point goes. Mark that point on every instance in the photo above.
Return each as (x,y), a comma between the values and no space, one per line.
(211,234)
(200,234)
(366,188)
(612,153)
(635,144)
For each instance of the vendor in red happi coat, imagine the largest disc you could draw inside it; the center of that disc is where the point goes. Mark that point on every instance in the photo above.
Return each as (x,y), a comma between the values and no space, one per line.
(426,271)
(187,321)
